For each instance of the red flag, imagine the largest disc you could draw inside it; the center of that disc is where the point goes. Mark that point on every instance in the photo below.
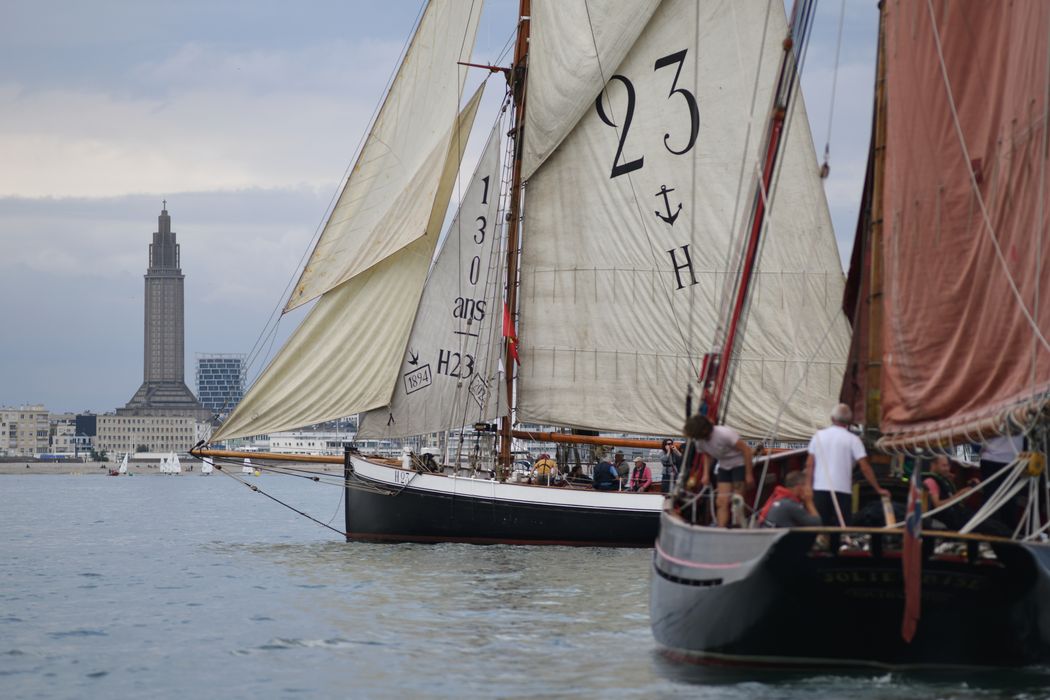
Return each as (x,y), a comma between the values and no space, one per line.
(911,559)
(509,334)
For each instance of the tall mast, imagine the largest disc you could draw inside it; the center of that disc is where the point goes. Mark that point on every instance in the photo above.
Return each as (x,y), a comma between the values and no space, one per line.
(714,374)
(517,86)
(873,372)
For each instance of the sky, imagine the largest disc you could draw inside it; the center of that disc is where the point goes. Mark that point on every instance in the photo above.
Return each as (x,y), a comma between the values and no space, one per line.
(245,116)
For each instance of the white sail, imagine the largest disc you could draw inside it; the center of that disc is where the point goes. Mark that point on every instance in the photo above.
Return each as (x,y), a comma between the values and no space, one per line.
(247,468)
(207,466)
(175,465)
(573,47)
(448,375)
(387,201)
(629,231)
(164,464)
(123,468)
(345,356)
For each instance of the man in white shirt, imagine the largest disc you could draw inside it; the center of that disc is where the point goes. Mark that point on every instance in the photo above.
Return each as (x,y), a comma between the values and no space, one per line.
(733,471)
(829,468)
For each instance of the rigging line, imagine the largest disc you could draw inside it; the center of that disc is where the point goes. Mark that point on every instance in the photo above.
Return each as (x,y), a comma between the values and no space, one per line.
(801,30)
(458,222)
(738,210)
(276,312)
(987,228)
(834,84)
(493,276)
(638,204)
(256,489)
(1041,231)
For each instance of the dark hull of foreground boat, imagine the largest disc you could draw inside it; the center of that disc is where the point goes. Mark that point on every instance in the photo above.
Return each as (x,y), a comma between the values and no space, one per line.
(764,597)
(378,511)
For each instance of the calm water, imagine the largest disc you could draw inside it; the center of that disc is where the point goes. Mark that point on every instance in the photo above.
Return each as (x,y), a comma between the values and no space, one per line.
(153,587)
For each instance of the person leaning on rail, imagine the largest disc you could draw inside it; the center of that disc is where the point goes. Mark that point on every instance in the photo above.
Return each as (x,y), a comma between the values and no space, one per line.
(732,472)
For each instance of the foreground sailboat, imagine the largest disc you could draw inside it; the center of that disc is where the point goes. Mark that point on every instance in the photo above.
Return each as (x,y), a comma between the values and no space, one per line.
(952,240)
(634,144)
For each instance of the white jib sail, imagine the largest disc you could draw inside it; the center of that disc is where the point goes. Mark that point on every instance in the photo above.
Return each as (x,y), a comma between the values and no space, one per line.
(629,227)
(247,468)
(345,356)
(123,469)
(382,207)
(176,466)
(448,373)
(207,465)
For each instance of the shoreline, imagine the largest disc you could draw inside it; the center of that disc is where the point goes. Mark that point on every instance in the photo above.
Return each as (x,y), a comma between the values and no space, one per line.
(134,468)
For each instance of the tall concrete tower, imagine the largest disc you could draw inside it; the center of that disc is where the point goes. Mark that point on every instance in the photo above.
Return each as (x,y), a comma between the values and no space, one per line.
(164,390)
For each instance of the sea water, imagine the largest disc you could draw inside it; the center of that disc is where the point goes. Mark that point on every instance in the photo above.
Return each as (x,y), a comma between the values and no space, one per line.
(191,586)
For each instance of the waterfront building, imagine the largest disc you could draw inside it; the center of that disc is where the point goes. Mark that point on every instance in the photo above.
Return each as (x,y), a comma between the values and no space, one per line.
(24,431)
(163,391)
(119,433)
(220,381)
(62,435)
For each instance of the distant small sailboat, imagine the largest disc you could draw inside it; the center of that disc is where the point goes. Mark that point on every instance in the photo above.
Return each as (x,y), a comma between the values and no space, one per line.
(165,468)
(174,465)
(248,469)
(122,470)
(207,467)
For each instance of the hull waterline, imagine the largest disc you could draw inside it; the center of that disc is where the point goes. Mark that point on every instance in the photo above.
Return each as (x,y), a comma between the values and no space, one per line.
(388,504)
(767,597)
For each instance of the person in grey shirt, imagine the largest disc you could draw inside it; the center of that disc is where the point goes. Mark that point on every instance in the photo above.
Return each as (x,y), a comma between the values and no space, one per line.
(790,505)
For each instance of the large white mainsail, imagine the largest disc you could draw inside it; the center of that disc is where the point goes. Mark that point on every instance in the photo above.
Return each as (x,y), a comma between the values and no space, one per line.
(344,357)
(590,36)
(382,208)
(448,376)
(630,226)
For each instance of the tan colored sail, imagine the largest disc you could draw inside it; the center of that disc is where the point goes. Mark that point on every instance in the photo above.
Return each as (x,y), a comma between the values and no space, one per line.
(574,46)
(448,376)
(344,357)
(385,204)
(621,289)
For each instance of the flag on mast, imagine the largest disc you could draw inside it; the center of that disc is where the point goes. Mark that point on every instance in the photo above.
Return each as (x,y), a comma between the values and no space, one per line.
(911,559)
(509,334)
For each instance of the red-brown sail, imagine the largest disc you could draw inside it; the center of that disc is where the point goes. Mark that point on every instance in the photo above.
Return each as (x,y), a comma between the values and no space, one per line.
(966,169)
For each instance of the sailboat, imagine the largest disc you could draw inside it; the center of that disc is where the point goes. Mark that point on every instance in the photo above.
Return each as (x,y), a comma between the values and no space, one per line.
(165,465)
(122,469)
(207,466)
(174,466)
(951,243)
(632,129)
(247,467)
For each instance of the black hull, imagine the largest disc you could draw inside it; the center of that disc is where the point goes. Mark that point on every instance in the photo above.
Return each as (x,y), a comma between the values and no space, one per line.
(412,515)
(791,606)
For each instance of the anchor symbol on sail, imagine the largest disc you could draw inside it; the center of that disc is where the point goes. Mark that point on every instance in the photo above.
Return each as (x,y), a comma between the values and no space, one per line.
(670,218)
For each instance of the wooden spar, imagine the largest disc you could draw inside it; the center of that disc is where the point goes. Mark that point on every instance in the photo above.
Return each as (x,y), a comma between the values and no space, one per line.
(517,78)
(272,456)
(569,438)
(873,372)
(486,66)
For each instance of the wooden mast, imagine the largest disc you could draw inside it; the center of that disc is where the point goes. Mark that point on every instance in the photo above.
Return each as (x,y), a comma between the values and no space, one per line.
(714,375)
(873,372)
(517,86)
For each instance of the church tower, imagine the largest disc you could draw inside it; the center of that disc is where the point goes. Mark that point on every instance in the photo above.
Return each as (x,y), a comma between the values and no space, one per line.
(164,390)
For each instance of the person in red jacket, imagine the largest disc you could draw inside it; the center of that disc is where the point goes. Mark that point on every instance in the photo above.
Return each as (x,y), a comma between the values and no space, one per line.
(789,505)
(641,477)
